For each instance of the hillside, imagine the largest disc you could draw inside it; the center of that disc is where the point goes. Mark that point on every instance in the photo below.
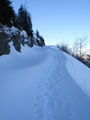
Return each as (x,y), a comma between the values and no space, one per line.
(43,84)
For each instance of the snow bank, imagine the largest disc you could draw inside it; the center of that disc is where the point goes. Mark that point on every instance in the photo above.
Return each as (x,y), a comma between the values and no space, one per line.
(29,57)
(79,72)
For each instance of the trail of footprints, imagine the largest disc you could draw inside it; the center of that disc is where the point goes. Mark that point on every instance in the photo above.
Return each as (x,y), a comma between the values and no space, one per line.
(50,103)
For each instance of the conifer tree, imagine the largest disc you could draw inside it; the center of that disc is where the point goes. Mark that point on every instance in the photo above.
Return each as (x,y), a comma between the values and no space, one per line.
(7,15)
(40,39)
(37,34)
(24,21)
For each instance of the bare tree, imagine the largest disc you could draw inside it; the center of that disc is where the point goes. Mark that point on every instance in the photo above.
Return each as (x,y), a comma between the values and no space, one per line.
(76,48)
(79,45)
(65,47)
(82,44)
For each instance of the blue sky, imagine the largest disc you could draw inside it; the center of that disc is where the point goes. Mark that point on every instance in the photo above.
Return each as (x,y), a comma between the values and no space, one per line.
(59,20)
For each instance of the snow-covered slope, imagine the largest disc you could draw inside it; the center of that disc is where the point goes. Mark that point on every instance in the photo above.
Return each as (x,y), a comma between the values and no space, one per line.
(43,84)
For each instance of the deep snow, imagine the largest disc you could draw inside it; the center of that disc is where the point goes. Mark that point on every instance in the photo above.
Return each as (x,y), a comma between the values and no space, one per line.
(43,84)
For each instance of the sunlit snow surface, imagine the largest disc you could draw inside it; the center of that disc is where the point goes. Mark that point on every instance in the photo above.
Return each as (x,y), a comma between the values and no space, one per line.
(43,84)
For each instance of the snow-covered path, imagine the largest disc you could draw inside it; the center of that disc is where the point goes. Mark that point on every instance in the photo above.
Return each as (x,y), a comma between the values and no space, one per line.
(41,87)
(60,96)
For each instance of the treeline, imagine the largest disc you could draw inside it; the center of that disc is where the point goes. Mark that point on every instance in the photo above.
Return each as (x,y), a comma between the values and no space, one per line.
(22,21)
(77,50)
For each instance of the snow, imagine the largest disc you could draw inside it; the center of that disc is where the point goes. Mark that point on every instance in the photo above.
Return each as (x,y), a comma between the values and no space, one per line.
(13,31)
(43,84)
(10,31)
(79,72)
